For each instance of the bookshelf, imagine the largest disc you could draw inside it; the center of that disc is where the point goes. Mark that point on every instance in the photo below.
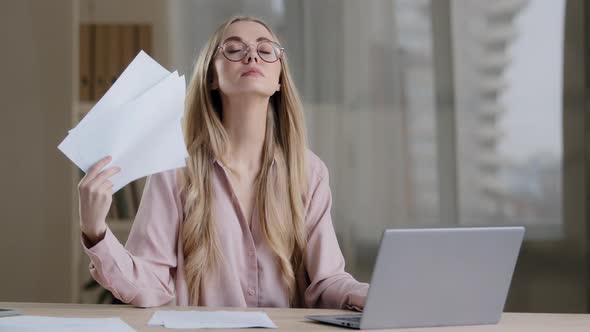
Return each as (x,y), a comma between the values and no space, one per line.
(107,36)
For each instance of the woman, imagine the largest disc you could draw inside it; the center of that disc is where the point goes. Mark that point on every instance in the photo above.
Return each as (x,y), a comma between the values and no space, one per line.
(247,222)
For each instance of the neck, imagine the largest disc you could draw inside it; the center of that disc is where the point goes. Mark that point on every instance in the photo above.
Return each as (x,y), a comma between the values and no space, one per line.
(244,119)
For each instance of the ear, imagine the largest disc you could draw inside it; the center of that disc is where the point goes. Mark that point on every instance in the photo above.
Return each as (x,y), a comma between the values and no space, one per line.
(278,87)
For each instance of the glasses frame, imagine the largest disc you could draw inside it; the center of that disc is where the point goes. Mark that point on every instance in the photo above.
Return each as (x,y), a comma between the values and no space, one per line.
(248,49)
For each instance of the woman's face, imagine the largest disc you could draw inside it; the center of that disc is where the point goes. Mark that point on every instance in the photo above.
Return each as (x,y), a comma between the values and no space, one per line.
(250,75)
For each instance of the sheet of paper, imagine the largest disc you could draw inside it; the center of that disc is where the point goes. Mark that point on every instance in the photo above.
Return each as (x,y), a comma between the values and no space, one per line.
(210,319)
(55,324)
(140,75)
(144,135)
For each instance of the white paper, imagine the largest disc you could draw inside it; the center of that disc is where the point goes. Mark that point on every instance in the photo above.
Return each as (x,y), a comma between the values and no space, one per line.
(55,324)
(143,134)
(211,319)
(140,75)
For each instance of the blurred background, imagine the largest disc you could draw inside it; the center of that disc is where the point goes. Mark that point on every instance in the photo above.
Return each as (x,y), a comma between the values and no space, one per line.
(427,114)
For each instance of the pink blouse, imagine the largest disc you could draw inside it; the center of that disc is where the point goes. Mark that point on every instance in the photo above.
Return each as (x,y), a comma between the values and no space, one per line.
(149,270)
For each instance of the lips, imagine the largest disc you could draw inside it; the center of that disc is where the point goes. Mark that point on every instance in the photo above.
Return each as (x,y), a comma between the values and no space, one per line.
(252,72)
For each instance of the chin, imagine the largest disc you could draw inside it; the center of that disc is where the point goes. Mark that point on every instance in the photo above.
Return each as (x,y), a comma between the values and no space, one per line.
(254,92)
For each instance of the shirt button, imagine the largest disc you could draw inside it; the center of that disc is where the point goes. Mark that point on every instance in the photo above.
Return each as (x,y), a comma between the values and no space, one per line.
(251,291)
(250,253)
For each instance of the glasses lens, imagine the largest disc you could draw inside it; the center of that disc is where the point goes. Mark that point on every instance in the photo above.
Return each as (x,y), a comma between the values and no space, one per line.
(268,51)
(234,50)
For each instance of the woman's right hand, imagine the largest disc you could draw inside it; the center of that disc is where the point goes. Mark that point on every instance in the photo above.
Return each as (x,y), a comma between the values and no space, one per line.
(95,192)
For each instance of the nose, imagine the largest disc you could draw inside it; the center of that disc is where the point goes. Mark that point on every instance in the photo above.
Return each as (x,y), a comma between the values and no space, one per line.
(251,55)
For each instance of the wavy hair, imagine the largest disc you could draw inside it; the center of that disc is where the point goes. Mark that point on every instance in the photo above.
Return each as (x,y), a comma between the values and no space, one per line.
(279,190)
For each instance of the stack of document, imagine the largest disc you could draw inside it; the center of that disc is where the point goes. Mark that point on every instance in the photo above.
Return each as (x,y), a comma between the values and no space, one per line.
(210,319)
(137,122)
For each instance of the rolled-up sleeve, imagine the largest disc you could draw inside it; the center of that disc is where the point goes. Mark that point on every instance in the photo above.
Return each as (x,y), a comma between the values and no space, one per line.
(329,285)
(142,272)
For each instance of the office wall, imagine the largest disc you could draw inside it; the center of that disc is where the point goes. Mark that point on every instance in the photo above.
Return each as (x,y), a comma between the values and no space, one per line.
(35,179)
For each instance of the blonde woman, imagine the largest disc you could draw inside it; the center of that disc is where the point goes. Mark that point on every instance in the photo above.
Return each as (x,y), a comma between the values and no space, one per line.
(247,222)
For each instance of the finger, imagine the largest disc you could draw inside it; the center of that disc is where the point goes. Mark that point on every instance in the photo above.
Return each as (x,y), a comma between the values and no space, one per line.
(104,176)
(99,165)
(107,186)
(92,172)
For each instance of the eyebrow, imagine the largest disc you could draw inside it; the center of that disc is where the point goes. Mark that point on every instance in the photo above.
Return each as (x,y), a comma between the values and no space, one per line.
(240,39)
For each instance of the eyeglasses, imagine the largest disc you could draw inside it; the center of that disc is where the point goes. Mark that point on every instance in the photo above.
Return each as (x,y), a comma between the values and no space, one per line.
(236,50)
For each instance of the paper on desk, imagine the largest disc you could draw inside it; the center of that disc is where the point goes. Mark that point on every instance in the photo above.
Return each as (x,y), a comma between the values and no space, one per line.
(210,319)
(51,324)
(143,135)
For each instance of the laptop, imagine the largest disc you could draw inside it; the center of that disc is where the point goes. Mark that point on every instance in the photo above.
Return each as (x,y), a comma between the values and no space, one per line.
(437,277)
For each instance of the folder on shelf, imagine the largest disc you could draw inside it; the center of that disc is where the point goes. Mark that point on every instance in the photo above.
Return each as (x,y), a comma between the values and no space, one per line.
(105,50)
(127,44)
(113,60)
(144,38)
(86,49)
(100,60)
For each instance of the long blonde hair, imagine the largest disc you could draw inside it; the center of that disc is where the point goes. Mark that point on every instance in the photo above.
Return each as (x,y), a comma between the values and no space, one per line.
(279,196)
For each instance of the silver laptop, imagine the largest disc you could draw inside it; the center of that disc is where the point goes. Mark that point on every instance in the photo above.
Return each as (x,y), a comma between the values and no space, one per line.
(438,277)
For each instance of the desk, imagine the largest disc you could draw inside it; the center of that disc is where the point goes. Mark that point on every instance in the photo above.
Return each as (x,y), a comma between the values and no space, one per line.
(292,319)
